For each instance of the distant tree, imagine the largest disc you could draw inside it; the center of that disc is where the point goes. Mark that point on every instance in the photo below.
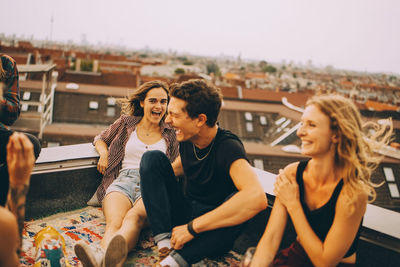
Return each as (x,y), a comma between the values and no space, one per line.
(213,67)
(187,62)
(86,65)
(269,69)
(179,71)
(262,64)
(294,75)
(143,55)
(182,58)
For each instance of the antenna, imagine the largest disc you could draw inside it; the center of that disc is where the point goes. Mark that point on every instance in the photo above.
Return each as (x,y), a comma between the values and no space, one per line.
(51,27)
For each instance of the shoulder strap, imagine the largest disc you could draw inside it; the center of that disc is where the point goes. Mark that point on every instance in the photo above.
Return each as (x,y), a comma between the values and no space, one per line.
(299,177)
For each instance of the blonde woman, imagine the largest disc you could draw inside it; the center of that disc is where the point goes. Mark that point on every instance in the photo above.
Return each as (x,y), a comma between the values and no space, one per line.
(121,147)
(325,196)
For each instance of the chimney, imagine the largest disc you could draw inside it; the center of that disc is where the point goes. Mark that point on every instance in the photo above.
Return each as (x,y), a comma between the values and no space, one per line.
(240,92)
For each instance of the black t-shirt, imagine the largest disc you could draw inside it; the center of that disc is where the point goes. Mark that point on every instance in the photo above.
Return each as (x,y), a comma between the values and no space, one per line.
(207,170)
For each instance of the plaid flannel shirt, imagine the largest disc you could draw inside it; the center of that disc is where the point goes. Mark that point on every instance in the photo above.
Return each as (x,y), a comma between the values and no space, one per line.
(10,104)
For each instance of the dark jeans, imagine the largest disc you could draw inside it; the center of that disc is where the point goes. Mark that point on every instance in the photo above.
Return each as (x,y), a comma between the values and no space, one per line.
(4,181)
(167,206)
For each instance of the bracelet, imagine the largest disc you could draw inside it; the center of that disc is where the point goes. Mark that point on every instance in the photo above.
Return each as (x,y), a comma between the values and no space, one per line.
(190,229)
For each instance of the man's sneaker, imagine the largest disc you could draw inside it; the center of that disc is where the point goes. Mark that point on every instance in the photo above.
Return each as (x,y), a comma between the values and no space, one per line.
(163,253)
(89,256)
(116,252)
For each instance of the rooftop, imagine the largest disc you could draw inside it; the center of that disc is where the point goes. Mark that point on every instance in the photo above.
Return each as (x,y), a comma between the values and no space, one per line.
(64,178)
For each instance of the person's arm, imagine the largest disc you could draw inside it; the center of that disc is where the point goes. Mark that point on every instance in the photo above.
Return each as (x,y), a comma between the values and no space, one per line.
(9,240)
(272,237)
(177,166)
(20,161)
(10,102)
(102,149)
(246,203)
(341,234)
(103,140)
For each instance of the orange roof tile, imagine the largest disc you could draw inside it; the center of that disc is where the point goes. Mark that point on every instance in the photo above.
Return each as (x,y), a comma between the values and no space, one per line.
(378,106)
(231,76)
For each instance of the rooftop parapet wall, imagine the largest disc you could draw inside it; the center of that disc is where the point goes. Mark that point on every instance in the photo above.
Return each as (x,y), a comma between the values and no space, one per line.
(64,178)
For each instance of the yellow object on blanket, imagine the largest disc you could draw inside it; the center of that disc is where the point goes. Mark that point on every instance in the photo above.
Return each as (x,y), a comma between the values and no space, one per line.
(50,249)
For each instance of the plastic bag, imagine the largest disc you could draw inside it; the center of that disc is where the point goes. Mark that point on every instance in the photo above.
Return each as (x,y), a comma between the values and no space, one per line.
(50,249)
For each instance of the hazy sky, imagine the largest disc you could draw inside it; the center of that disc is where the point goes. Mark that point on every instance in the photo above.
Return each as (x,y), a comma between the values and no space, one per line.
(352,34)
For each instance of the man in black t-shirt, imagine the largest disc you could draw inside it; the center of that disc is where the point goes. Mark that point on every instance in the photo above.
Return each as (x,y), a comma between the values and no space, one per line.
(201,214)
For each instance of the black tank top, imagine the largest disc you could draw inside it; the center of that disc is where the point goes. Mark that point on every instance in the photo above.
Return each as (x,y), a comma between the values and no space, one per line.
(321,219)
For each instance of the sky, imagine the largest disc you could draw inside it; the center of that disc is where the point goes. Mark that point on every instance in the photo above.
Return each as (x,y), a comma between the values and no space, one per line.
(362,35)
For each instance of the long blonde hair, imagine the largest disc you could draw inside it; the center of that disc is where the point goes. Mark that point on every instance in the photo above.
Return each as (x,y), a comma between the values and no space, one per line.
(356,149)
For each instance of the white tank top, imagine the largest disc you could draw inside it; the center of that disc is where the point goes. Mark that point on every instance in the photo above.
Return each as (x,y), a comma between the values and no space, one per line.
(135,148)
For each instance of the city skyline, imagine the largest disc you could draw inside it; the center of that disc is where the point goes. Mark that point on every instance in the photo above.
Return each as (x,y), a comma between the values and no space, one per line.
(354,35)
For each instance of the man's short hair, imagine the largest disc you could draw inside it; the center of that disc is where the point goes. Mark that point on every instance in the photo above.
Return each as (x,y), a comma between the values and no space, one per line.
(201,97)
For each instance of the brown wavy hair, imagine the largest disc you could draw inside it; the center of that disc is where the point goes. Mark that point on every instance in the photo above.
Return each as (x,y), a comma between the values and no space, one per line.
(358,143)
(131,105)
(2,71)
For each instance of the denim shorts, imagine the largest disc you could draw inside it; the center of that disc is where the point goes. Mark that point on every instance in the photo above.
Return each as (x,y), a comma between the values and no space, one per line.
(127,183)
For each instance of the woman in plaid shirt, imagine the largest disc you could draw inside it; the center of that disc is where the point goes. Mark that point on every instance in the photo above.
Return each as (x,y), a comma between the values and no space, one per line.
(121,147)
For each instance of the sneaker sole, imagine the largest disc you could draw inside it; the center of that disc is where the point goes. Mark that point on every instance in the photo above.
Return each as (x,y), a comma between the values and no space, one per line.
(82,254)
(116,252)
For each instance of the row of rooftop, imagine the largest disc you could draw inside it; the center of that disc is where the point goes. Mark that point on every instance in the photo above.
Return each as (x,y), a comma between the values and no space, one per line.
(371,91)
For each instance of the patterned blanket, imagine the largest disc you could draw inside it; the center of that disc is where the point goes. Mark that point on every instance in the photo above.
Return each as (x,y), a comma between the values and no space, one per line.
(88,224)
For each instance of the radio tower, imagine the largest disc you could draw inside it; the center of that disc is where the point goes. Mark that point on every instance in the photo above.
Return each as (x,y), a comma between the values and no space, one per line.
(51,28)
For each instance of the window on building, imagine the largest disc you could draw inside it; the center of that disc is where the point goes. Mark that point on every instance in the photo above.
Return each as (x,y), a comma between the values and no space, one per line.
(248,116)
(391,182)
(26,96)
(111,101)
(53,144)
(24,107)
(263,120)
(394,190)
(259,164)
(280,121)
(249,126)
(93,105)
(389,176)
(110,111)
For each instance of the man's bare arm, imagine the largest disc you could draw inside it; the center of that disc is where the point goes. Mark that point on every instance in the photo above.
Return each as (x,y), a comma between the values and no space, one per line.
(20,161)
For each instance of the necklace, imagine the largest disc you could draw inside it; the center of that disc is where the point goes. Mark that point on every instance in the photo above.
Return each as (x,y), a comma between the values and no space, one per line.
(143,131)
(195,154)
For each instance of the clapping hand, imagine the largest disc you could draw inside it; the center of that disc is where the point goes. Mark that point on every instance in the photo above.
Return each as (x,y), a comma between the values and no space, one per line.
(20,159)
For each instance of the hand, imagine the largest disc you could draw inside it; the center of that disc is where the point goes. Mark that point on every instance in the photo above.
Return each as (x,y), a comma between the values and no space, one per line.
(286,190)
(20,159)
(180,236)
(102,163)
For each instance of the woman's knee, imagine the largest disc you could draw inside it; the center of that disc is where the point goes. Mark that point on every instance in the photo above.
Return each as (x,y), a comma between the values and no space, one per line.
(136,219)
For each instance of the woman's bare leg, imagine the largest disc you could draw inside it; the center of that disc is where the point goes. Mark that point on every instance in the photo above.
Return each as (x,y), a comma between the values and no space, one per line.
(135,220)
(115,208)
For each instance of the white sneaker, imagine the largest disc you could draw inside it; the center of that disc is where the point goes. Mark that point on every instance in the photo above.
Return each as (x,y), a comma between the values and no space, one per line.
(116,252)
(88,255)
